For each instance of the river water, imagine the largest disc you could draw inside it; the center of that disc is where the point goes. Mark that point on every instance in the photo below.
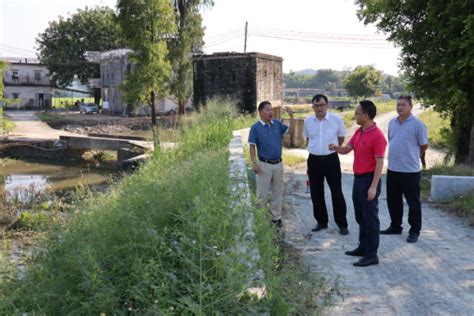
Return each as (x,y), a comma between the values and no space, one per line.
(18,177)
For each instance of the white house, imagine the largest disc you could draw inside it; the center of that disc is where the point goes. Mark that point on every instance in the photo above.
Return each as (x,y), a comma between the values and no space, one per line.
(27,82)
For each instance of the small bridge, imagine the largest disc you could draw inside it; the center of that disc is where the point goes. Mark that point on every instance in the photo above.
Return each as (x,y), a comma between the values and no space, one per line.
(125,148)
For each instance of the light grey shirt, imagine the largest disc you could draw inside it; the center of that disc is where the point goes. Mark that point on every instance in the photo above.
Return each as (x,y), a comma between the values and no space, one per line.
(321,133)
(404,141)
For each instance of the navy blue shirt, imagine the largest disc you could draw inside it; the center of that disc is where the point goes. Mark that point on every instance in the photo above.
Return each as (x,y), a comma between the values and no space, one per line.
(267,138)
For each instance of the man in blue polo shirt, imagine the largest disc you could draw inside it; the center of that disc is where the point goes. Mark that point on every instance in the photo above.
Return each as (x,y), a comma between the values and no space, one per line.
(265,140)
(408,140)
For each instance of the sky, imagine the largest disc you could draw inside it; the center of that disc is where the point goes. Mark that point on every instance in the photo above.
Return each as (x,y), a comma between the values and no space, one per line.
(307,34)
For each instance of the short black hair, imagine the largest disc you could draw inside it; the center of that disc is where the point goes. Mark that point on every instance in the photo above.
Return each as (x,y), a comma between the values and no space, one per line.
(318,97)
(405,97)
(369,108)
(262,104)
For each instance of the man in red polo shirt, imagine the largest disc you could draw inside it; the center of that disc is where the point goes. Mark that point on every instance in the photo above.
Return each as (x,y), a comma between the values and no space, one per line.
(369,146)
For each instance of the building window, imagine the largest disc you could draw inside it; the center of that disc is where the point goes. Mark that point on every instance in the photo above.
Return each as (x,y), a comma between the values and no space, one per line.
(38,75)
(14,74)
(15,95)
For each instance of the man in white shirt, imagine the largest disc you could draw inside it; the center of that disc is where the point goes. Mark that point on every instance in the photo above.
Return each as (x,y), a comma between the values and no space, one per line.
(320,130)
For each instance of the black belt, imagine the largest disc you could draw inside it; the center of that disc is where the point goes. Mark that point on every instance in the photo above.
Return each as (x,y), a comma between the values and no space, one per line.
(272,162)
(322,156)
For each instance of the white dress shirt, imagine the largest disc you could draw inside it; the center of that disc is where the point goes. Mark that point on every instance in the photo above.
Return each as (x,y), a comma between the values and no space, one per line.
(321,133)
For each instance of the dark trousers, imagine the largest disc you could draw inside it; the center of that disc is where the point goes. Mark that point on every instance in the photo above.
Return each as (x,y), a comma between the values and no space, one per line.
(401,184)
(367,215)
(320,167)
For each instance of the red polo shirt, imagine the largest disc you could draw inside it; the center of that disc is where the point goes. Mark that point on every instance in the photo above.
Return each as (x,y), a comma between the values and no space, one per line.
(367,145)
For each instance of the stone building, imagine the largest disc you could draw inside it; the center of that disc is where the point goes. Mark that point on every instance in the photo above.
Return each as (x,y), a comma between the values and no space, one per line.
(248,78)
(27,82)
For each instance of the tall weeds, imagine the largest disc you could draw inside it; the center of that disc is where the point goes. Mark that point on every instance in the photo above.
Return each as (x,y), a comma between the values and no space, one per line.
(158,243)
(162,241)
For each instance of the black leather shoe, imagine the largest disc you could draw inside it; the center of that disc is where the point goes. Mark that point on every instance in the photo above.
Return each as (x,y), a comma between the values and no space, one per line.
(355,253)
(365,262)
(278,223)
(344,231)
(318,227)
(391,231)
(412,237)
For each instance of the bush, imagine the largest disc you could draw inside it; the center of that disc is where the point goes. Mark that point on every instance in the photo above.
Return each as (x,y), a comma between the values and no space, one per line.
(5,124)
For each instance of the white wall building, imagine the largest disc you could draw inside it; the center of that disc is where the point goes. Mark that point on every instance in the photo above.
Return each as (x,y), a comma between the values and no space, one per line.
(27,83)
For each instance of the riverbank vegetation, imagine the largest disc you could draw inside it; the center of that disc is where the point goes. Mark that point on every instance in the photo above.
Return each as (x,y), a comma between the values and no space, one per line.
(163,241)
(439,133)
(6,125)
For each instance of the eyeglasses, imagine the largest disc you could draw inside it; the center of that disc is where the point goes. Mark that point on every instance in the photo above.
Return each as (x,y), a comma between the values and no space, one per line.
(319,105)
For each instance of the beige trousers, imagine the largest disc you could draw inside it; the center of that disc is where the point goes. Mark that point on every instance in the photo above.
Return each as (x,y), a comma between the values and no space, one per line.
(271,176)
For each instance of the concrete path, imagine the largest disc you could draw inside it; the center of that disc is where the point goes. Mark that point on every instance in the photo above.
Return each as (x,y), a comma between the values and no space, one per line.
(434,276)
(29,126)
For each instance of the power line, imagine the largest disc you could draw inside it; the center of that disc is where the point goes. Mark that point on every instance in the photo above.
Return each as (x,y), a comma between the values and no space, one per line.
(320,34)
(350,44)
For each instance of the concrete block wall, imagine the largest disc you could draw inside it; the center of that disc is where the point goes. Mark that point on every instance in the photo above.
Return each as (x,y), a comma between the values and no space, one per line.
(446,188)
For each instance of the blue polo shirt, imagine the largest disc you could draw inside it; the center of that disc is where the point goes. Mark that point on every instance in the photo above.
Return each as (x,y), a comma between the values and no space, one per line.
(404,141)
(267,138)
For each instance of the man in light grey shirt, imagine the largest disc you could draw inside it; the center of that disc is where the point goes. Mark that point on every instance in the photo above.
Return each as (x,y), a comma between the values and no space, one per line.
(320,130)
(408,140)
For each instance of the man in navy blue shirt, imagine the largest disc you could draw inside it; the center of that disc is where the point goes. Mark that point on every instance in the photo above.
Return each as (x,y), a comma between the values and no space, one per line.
(265,140)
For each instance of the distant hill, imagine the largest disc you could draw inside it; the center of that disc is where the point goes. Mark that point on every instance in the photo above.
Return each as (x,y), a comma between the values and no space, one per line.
(310,72)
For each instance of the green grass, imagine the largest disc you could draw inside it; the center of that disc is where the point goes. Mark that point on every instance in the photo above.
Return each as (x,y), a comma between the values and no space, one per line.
(462,205)
(349,119)
(50,116)
(5,124)
(385,106)
(292,159)
(162,241)
(437,128)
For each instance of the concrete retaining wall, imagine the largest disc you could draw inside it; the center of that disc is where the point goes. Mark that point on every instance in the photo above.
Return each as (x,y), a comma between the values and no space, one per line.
(239,188)
(445,188)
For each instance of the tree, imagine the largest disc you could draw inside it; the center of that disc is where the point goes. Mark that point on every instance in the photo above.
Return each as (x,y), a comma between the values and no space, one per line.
(437,54)
(322,78)
(188,39)
(364,81)
(393,84)
(146,27)
(62,46)
(3,67)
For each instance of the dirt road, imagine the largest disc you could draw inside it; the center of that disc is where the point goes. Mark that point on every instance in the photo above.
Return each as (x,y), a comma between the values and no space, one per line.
(434,276)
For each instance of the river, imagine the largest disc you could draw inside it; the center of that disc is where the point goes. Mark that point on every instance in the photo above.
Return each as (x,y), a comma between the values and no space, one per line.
(18,176)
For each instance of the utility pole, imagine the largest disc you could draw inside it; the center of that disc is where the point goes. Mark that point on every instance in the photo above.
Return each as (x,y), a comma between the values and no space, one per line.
(245,41)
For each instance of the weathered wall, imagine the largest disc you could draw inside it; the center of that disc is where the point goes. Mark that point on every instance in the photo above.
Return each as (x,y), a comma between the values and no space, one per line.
(112,73)
(237,76)
(269,81)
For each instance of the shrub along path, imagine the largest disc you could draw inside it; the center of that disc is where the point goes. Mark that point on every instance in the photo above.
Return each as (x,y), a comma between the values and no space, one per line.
(433,276)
